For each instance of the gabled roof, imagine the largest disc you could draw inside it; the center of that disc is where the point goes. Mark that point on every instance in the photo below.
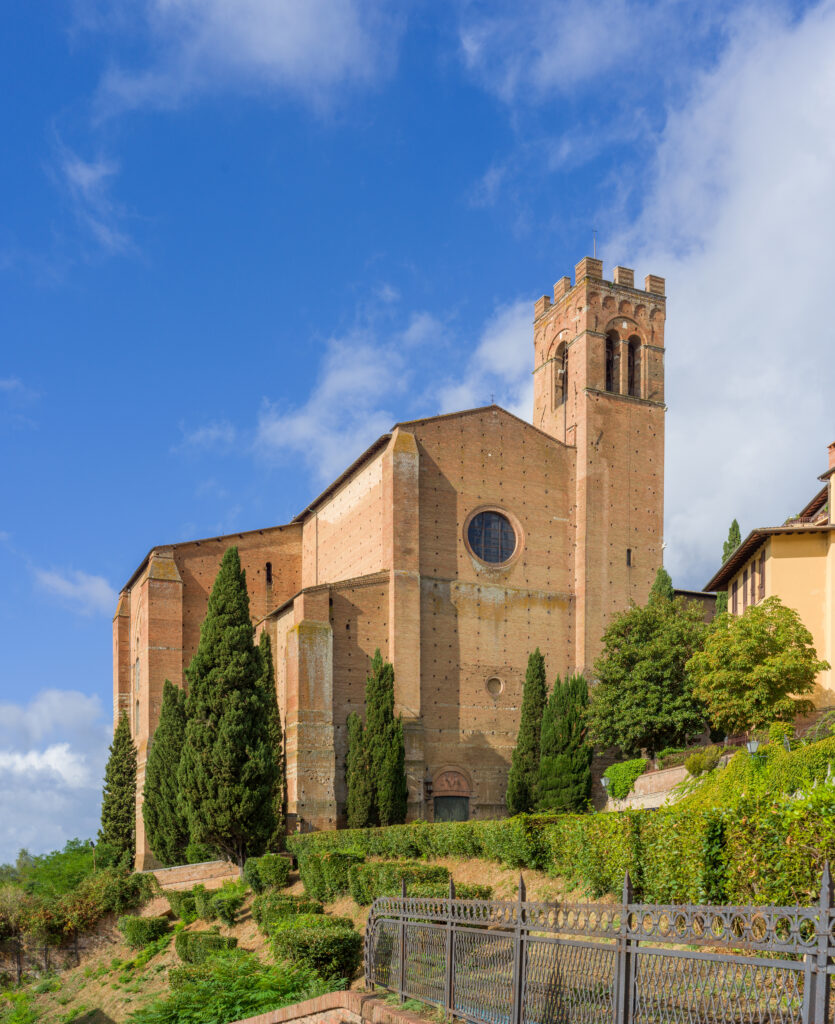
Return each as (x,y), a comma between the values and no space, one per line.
(729,569)
(384,439)
(366,456)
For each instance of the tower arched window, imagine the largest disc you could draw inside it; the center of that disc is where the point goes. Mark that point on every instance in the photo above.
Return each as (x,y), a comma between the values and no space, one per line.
(633,367)
(612,346)
(561,375)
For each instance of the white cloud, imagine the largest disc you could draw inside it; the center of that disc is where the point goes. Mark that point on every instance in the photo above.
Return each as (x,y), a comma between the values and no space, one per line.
(52,757)
(11,384)
(527,51)
(500,364)
(66,765)
(88,184)
(86,593)
(198,46)
(218,435)
(346,410)
(739,217)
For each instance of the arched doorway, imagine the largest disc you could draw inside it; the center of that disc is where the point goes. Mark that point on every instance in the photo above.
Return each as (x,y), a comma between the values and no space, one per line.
(451,796)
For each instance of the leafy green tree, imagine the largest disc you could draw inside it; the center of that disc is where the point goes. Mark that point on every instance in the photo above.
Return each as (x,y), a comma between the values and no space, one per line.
(118,808)
(644,698)
(565,754)
(753,664)
(523,776)
(384,747)
(728,548)
(227,771)
(166,825)
(55,873)
(358,776)
(277,840)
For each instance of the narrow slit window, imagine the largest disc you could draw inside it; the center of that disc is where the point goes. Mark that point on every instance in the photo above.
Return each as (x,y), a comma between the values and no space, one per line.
(269,571)
(629,556)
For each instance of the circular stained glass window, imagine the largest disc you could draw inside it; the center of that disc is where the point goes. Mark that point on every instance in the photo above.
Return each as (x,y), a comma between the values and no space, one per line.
(491,537)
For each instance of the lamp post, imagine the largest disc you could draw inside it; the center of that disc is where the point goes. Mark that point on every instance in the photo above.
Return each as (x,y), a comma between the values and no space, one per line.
(753,746)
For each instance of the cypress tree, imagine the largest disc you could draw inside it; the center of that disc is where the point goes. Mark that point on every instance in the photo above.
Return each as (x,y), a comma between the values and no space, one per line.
(118,807)
(565,755)
(358,776)
(662,586)
(227,771)
(277,840)
(165,824)
(733,541)
(524,766)
(384,747)
(728,548)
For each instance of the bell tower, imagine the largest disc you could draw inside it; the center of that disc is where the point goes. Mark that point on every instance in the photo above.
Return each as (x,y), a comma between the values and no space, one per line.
(599,388)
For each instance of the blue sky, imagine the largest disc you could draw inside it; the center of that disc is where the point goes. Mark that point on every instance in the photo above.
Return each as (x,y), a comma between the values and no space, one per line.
(242,239)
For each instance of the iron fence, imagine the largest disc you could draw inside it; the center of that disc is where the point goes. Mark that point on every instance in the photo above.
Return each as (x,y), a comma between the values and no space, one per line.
(523,962)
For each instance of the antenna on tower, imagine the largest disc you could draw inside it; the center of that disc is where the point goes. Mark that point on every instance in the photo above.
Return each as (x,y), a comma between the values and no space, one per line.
(594,242)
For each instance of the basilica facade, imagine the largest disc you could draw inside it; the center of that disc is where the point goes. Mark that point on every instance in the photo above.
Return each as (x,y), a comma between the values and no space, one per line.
(456,545)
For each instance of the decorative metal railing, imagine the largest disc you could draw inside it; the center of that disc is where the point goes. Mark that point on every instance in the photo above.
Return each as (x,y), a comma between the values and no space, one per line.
(522,962)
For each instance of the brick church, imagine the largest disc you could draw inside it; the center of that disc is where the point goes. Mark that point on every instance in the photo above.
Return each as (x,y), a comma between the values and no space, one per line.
(456,544)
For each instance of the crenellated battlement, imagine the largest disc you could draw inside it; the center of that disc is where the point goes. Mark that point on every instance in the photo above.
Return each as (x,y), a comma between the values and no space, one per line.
(591,269)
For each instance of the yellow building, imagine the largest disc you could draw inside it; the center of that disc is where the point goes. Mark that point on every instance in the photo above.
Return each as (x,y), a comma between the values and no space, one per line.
(795,562)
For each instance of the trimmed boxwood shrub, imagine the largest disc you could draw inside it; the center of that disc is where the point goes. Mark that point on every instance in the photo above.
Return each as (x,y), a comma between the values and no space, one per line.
(384,878)
(328,945)
(275,870)
(271,871)
(325,875)
(203,905)
(140,931)
(463,890)
(252,874)
(197,947)
(182,903)
(228,900)
(271,906)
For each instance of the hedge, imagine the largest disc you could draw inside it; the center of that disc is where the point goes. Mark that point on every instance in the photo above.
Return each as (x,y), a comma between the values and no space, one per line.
(270,906)
(211,904)
(516,842)
(182,903)
(325,875)
(197,947)
(328,945)
(760,847)
(440,890)
(622,776)
(140,931)
(385,878)
(271,871)
(228,900)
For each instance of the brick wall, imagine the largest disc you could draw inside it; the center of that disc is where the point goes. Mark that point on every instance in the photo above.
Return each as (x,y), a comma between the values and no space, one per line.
(336,1007)
(211,873)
